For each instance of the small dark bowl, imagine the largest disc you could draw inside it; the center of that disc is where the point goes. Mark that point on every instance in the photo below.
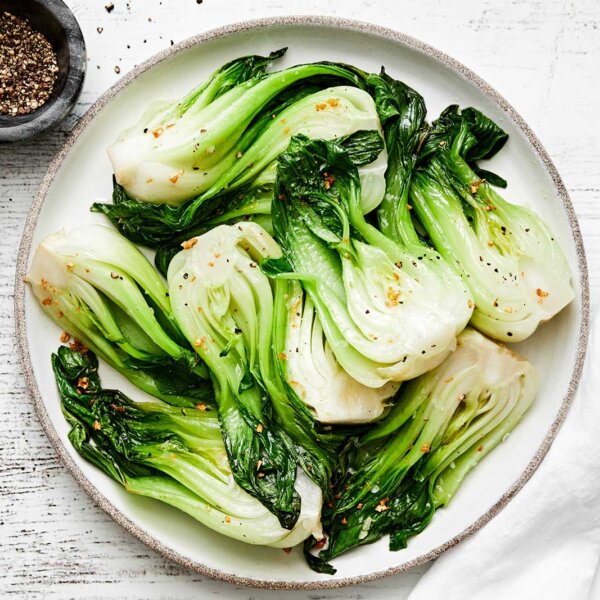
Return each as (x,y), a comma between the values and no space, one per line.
(57,23)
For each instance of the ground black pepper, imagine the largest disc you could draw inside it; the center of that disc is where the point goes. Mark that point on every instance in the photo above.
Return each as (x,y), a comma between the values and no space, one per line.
(28,67)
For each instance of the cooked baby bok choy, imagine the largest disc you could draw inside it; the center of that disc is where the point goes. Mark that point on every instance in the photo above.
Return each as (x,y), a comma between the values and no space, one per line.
(170,454)
(204,146)
(103,291)
(505,253)
(377,300)
(392,479)
(324,249)
(224,305)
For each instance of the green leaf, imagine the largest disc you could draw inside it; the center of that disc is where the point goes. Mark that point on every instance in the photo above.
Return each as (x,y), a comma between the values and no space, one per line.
(402,113)
(362,147)
(473,136)
(229,76)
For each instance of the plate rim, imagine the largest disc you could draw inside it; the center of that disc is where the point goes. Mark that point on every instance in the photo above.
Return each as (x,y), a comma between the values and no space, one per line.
(341,24)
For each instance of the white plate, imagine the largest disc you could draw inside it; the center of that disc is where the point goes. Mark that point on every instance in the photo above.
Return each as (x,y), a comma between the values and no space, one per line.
(81,174)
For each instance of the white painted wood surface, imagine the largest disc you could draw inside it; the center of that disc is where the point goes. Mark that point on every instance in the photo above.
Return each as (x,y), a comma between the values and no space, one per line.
(542,55)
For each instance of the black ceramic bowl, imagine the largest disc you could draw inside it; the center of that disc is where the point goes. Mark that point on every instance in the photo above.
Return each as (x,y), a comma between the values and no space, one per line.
(57,23)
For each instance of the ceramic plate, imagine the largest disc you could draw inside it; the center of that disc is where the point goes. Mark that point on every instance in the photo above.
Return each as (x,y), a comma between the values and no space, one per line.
(81,174)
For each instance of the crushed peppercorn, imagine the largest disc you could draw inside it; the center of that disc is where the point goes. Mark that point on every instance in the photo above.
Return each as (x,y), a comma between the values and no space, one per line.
(28,67)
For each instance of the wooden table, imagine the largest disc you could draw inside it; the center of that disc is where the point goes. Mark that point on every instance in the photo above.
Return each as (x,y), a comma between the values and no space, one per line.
(543,56)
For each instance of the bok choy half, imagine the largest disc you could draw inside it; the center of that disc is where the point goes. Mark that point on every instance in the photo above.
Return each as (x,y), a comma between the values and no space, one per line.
(184,159)
(224,305)
(170,454)
(392,479)
(309,367)
(100,289)
(377,300)
(505,253)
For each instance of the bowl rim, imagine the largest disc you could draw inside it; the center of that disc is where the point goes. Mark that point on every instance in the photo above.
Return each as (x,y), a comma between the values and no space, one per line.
(261,24)
(62,104)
